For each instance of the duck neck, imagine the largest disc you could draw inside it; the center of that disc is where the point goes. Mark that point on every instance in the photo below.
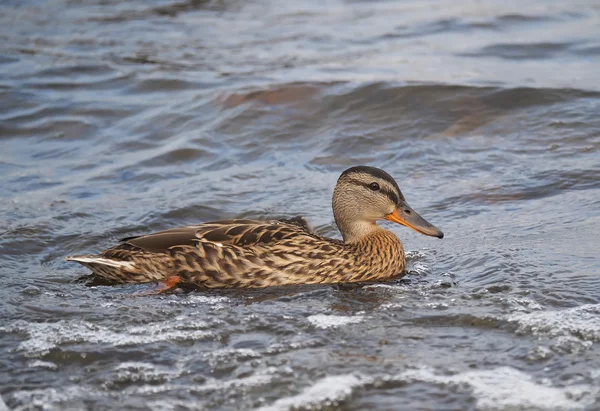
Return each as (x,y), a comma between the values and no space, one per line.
(356,231)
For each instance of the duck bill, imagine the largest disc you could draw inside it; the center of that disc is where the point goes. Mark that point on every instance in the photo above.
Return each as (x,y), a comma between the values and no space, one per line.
(407,216)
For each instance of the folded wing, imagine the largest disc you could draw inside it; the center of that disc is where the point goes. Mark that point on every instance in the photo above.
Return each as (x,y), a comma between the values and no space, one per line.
(233,232)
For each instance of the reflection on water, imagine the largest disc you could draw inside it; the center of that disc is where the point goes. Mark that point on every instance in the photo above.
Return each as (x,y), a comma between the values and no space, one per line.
(119,119)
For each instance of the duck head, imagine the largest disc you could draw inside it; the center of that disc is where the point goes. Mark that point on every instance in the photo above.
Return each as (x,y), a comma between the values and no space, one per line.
(364,195)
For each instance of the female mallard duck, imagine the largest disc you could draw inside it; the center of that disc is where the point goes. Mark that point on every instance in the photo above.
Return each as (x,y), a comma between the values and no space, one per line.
(254,254)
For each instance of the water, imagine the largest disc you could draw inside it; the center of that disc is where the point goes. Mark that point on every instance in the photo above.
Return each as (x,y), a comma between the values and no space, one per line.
(120,118)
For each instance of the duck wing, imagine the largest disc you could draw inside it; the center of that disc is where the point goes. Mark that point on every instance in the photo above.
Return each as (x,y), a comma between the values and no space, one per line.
(233,232)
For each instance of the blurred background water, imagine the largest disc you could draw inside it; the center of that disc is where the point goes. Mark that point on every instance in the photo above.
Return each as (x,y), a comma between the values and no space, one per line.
(120,118)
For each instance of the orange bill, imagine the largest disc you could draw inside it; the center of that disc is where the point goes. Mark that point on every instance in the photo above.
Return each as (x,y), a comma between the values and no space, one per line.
(407,216)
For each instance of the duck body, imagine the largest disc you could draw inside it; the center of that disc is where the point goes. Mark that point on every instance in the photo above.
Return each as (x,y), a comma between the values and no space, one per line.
(256,254)
(249,254)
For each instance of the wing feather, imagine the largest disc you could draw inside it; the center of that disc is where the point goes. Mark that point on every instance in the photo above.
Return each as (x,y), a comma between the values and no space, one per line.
(234,232)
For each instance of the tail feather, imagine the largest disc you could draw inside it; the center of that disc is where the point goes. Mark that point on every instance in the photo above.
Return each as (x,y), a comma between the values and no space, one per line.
(90,260)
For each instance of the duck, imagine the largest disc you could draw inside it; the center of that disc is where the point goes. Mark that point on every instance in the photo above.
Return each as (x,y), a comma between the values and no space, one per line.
(244,253)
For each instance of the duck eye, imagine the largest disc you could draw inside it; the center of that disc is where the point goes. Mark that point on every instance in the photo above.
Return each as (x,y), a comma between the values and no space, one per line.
(374,186)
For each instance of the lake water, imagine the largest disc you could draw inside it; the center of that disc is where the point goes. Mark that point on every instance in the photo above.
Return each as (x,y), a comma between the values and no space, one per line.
(122,118)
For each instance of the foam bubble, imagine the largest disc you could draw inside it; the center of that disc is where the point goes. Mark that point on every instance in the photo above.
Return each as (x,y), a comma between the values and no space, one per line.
(229,354)
(327,392)
(330,321)
(73,396)
(582,322)
(44,337)
(210,300)
(506,387)
(133,372)
(43,364)
(44,397)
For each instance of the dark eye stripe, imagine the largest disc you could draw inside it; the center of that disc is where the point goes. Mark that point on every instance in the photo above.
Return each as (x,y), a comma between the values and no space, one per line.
(360,183)
(390,194)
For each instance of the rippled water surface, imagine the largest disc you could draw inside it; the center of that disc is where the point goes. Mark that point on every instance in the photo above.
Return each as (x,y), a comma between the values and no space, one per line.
(120,118)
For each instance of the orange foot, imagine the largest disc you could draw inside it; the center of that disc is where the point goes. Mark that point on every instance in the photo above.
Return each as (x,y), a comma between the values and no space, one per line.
(163,286)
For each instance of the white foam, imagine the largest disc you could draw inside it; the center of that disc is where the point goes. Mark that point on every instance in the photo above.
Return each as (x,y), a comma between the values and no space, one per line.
(197,299)
(229,354)
(582,322)
(495,389)
(506,387)
(208,386)
(327,392)
(171,403)
(251,381)
(523,304)
(419,268)
(141,371)
(43,364)
(44,398)
(44,337)
(286,346)
(330,321)
(73,396)
(570,344)
(383,286)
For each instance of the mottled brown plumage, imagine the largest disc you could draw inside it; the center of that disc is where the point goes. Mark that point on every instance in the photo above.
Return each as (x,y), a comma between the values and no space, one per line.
(255,254)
